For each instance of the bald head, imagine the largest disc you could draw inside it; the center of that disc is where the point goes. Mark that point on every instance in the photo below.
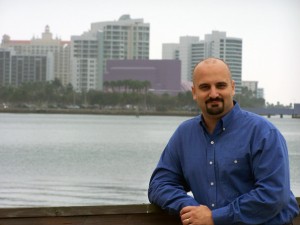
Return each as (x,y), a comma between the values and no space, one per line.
(209,64)
(213,89)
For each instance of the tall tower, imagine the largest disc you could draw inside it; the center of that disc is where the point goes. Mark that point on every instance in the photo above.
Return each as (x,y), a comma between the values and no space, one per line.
(85,61)
(185,55)
(191,50)
(125,38)
(228,49)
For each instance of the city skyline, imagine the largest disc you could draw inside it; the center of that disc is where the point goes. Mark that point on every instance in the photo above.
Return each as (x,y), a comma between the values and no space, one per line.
(269,29)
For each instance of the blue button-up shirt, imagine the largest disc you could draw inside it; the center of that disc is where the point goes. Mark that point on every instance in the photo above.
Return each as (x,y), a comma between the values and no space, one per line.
(241,171)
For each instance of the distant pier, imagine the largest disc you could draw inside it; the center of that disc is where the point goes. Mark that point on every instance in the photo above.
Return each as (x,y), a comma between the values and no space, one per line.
(294,112)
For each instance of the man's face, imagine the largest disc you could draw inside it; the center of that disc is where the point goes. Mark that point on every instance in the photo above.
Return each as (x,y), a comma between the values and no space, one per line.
(213,89)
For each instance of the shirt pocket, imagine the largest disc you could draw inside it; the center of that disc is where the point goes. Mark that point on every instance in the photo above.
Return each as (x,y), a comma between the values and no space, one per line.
(235,177)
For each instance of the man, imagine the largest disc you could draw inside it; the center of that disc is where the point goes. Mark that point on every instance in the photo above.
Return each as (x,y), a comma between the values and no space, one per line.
(227,166)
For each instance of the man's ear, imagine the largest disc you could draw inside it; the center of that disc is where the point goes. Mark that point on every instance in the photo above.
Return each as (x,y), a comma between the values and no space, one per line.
(194,92)
(233,87)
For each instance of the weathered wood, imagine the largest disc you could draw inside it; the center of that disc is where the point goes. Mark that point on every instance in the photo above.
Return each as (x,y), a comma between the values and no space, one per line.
(134,219)
(145,214)
(79,211)
(296,221)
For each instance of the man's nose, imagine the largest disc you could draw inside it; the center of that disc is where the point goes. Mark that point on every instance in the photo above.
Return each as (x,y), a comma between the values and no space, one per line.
(213,92)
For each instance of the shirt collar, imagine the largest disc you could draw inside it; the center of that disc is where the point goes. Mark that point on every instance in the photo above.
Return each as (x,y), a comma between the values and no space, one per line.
(225,120)
(229,117)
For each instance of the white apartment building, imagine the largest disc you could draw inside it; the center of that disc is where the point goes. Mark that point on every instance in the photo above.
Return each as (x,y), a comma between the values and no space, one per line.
(198,54)
(170,51)
(85,62)
(185,55)
(125,38)
(55,49)
(182,51)
(191,50)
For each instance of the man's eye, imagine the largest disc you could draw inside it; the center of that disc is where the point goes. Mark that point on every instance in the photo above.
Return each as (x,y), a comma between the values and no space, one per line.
(222,86)
(204,87)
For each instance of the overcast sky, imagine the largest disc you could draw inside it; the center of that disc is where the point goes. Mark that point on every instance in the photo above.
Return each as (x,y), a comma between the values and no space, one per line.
(270,30)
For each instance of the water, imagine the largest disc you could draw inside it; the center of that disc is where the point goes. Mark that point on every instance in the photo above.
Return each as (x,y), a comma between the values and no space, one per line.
(67,160)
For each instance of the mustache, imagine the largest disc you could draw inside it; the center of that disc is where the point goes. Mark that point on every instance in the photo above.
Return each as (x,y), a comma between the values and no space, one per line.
(217,99)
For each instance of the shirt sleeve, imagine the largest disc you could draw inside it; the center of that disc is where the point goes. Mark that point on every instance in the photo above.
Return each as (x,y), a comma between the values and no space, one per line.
(167,187)
(271,192)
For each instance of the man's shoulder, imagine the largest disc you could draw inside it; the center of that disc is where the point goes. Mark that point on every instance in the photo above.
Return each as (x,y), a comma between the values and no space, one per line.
(255,119)
(191,122)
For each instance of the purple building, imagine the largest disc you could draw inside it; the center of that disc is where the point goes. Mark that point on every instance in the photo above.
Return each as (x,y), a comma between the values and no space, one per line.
(164,75)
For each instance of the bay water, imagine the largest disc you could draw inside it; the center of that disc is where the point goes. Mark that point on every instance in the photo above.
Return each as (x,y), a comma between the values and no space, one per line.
(77,160)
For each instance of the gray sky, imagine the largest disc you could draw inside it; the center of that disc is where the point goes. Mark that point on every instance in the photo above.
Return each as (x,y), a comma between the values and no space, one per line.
(270,30)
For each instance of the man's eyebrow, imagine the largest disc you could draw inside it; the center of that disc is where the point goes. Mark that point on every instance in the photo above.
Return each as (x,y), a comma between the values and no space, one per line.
(203,84)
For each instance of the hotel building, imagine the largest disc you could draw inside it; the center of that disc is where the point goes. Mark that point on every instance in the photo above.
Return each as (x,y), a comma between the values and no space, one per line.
(125,38)
(190,50)
(56,51)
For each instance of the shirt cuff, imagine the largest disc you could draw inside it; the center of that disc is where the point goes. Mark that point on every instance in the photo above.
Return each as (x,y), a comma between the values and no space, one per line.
(222,216)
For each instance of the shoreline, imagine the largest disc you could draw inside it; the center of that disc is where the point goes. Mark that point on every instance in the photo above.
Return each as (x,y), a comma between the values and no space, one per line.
(100,112)
(116,112)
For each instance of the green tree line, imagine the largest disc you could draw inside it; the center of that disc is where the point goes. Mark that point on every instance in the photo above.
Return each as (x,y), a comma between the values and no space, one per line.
(115,94)
(247,99)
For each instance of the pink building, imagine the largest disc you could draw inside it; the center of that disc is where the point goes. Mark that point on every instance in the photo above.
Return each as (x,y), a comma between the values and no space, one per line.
(164,75)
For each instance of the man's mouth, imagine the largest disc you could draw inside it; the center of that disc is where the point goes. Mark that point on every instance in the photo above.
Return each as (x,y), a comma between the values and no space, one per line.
(214,101)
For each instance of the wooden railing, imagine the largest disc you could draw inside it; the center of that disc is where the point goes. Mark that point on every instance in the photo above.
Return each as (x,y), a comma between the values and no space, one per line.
(145,214)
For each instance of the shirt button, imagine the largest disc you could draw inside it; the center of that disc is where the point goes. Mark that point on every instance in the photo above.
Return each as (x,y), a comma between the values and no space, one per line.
(224,128)
(235,161)
(210,162)
(211,183)
(213,205)
(212,142)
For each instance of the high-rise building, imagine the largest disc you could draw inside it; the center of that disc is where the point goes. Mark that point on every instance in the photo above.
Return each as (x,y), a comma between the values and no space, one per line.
(16,69)
(85,55)
(230,50)
(185,54)
(125,38)
(182,51)
(191,50)
(170,51)
(5,62)
(198,54)
(47,46)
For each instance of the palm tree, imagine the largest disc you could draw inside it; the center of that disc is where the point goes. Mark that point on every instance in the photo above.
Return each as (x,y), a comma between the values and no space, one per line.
(107,86)
(146,86)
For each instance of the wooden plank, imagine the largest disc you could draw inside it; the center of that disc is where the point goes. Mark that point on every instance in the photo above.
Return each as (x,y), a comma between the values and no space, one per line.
(145,214)
(78,210)
(296,221)
(140,219)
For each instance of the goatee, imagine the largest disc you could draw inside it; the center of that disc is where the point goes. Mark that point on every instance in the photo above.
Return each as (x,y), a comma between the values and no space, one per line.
(215,109)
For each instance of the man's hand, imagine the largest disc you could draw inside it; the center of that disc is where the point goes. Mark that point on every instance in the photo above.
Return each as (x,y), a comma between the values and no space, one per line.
(196,215)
